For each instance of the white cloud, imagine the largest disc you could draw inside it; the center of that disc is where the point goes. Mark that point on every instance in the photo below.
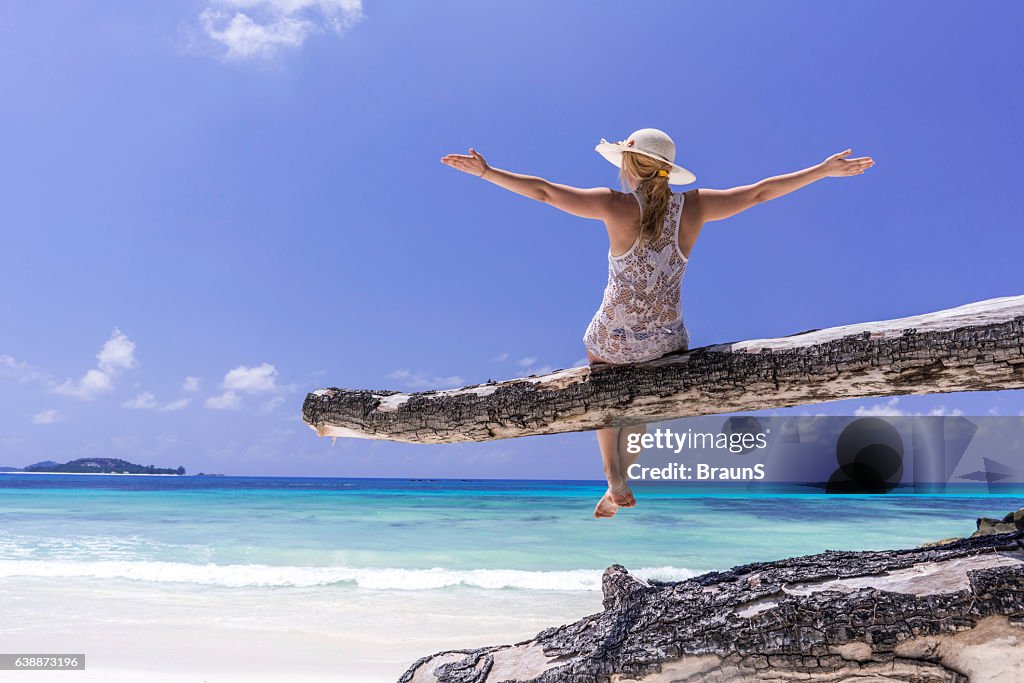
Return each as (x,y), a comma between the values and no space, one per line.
(529,366)
(191,383)
(259,29)
(272,404)
(229,400)
(144,401)
(889,409)
(147,401)
(252,380)
(421,380)
(943,410)
(92,384)
(257,379)
(46,417)
(22,371)
(500,357)
(116,354)
(176,405)
(880,409)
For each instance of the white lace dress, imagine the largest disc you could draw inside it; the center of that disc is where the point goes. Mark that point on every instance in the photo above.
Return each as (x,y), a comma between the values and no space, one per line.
(640,317)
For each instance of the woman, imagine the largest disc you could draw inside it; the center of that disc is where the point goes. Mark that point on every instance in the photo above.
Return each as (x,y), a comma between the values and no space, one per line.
(651,232)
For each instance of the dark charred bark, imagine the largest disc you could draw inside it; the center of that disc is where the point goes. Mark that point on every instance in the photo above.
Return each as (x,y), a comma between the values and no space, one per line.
(950,613)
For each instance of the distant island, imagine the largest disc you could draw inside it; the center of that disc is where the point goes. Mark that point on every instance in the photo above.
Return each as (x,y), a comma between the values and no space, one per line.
(96,466)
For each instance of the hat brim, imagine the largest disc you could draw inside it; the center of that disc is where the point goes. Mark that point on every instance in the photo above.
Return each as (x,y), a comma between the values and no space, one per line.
(612,151)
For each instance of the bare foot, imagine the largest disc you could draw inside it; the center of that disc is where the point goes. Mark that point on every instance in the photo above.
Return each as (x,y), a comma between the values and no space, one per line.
(622,495)
(606,507)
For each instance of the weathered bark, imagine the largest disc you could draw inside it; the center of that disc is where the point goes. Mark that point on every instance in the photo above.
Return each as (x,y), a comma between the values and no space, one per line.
(952,613)
(976,347)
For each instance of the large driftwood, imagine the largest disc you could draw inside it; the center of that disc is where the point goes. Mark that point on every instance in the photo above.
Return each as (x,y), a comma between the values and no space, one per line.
(952,613)
(976,347)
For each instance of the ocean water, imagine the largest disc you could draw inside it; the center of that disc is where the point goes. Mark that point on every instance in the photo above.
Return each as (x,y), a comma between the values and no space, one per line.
(396,569)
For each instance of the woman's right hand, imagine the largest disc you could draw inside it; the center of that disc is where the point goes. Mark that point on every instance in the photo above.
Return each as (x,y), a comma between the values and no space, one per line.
(838,165)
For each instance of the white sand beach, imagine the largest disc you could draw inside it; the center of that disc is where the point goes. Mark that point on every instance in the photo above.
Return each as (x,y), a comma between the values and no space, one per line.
(132,631)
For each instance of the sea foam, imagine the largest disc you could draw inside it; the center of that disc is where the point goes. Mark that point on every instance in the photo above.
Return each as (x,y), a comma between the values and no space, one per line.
(258,575)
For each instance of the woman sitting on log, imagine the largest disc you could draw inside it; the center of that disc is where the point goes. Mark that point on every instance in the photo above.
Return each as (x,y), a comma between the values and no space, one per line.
(651,231)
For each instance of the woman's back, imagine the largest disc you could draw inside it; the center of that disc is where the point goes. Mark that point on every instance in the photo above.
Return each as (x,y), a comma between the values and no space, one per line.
(640,317)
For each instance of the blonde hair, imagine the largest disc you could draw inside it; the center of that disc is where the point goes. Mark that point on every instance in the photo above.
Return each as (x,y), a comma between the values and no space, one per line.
(639,171)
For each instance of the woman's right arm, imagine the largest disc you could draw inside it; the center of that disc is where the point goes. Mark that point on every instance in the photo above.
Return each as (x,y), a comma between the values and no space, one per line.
(718,204)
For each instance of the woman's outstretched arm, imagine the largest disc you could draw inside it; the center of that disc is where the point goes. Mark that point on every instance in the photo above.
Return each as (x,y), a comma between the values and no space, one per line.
(718,204)
(593,202)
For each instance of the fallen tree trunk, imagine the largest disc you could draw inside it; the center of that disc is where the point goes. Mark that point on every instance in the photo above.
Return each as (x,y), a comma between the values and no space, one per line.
(975,347)
(951,613)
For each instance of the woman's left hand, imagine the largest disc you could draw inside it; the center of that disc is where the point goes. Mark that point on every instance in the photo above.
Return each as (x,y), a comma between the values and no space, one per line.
(839,165)
(474,163)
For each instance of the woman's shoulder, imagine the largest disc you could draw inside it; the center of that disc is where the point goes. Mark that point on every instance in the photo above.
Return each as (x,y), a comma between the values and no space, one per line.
(691,214)
(690,198)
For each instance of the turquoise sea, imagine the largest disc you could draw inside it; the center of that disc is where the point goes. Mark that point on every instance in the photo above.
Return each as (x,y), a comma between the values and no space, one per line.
(395,569)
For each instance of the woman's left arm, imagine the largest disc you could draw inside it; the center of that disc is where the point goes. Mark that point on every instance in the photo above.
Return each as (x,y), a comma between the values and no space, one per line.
(835,166)
(718,204)
(587,203)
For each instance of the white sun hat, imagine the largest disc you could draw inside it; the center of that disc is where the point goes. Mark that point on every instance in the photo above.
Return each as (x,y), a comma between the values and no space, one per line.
(650,142)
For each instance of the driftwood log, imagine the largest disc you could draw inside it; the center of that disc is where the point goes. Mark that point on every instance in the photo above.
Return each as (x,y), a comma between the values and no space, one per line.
(951,613)
(975,347)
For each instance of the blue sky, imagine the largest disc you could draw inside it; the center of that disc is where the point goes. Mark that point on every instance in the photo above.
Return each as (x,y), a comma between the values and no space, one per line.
(210,208)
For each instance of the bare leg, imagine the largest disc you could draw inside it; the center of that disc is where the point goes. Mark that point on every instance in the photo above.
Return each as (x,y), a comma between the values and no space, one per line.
(613,447)
(608,441)
(626,459)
